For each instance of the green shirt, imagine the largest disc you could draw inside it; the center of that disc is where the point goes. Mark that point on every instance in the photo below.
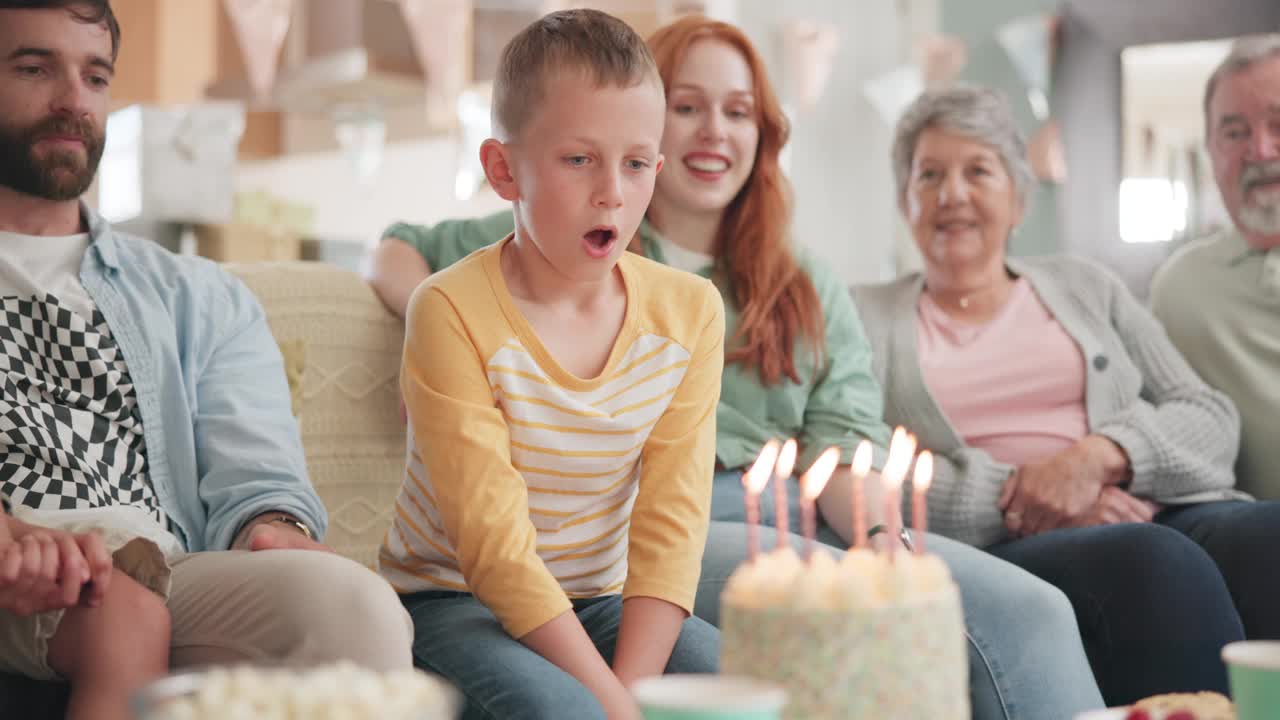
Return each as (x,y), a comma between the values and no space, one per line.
(837,403)
(1219,300)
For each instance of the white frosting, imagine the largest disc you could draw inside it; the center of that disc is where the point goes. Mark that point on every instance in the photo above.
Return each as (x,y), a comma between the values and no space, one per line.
(336,692)
(861,579)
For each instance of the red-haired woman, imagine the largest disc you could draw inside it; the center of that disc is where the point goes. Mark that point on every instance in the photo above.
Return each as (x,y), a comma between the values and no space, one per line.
(797,364)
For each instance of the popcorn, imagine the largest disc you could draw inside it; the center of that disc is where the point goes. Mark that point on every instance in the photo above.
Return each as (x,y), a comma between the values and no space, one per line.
(341,691)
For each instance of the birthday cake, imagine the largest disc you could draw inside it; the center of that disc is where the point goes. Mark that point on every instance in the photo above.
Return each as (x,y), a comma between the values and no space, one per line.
(860,637)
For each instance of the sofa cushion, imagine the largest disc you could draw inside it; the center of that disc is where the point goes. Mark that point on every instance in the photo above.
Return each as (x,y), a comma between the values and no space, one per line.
(349,398)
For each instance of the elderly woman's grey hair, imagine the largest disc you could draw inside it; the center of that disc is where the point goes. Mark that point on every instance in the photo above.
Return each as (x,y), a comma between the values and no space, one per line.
(978,113)
(1245,53)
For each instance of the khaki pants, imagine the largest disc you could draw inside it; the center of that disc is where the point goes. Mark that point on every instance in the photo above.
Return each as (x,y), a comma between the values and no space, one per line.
(293,606)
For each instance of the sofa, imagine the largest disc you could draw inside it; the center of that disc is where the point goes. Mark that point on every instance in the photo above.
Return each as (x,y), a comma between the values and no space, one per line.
(342,355)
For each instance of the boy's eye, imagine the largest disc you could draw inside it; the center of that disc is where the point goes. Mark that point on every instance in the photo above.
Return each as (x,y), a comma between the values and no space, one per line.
(637,164)
(683,109)
(30,70)
(577,160)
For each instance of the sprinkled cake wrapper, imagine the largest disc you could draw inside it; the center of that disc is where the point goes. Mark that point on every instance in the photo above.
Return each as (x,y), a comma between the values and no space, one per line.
(904,661)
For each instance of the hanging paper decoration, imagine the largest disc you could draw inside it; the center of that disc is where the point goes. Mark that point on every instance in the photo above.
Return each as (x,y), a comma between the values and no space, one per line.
(440,30)
(362,134)
(1046,153)
(809,51)
(1030,41)
(893,91)
(942,57)
(261,27)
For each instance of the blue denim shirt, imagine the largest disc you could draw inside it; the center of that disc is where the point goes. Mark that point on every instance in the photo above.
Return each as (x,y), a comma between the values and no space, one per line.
(222,443)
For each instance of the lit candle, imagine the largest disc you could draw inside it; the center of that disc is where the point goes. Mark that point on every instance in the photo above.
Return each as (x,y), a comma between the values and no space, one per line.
(811,485)
(861,466)
(753,482)
(919,489)
(901,448)
(781,476)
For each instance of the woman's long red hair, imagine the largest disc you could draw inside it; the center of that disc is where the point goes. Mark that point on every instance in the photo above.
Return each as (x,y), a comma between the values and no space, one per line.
(777,302)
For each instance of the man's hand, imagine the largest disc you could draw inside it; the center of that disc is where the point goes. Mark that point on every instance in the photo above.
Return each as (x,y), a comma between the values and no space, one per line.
(1059,491)
(268,534)
(43,569)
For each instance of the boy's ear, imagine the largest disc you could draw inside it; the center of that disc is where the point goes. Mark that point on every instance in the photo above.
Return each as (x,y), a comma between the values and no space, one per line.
(662,161)
(496,159)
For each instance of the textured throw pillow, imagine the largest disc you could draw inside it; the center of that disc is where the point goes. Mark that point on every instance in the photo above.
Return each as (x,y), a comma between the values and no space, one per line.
(295,363)
(329,321)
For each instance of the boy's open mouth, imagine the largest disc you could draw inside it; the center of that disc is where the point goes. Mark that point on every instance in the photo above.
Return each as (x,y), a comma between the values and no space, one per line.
(601,238)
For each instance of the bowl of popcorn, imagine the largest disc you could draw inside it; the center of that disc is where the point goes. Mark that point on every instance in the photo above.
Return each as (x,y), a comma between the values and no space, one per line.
(341,691)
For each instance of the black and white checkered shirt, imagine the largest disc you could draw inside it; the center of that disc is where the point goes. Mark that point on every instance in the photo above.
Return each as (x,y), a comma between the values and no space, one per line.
(70,431)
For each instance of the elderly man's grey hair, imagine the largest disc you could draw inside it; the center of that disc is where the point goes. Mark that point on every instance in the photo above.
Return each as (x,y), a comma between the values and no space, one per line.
(1245,52)
(978,113)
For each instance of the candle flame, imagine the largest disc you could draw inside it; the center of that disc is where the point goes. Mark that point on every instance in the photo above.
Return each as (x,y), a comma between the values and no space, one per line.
(816,477)
(901,448)
(786,460)
(758,476)
(924,472)
(862,459)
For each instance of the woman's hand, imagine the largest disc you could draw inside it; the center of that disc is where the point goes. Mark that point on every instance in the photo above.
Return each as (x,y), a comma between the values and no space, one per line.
(1116,506)
(1061,490)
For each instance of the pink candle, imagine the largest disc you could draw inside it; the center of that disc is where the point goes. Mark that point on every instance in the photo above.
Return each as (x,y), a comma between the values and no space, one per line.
(811,485)
(901,448)
(861,466)
(781,476)
(753,481)
(919,489)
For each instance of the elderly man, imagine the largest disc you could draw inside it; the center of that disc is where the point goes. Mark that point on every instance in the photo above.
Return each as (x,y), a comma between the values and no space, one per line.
(1219,298)
(157,511)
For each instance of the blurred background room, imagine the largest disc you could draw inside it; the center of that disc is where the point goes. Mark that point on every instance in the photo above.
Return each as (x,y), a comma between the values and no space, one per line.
(282,129)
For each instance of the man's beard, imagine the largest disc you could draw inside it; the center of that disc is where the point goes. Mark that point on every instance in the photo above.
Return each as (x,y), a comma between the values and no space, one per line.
(58,174)
(1260,211)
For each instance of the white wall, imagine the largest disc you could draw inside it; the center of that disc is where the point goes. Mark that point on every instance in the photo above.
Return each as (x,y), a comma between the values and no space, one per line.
(416,183)
(845,207)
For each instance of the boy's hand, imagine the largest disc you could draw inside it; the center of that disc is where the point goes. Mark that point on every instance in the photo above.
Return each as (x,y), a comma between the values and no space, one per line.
(43,569)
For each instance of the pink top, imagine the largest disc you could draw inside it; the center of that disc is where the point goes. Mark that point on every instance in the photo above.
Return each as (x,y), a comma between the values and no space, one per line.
(1013,386)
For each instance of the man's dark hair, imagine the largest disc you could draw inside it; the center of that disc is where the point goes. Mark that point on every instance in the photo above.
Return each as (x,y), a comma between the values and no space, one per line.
(92,12)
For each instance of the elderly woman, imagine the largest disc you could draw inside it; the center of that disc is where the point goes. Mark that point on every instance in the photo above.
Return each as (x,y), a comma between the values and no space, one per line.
(1073,440)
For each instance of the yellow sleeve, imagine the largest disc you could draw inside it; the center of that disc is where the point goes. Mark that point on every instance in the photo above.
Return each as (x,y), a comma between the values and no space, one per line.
(672,510)
(465,446)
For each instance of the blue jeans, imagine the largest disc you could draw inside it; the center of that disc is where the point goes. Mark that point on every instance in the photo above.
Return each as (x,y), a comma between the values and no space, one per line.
(1242,539)
(1157,601)
(1025,657)
(1151,605)
(455,636)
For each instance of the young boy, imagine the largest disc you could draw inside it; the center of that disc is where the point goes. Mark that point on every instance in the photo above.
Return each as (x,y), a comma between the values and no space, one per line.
(561,395)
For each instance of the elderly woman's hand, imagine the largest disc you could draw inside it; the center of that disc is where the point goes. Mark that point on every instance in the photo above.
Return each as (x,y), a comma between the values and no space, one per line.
(1060,491)
(1116,506)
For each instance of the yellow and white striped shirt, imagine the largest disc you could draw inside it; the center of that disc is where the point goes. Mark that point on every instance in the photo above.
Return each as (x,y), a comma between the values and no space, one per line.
(529,486)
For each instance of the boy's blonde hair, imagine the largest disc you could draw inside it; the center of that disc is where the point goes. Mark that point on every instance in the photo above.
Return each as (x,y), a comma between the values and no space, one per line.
(579,40)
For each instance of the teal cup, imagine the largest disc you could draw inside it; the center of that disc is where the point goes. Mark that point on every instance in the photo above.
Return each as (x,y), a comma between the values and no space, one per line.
(1254,669)
(708,697)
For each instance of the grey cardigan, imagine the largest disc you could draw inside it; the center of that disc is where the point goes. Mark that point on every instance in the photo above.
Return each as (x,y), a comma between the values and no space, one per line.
(1180,434)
